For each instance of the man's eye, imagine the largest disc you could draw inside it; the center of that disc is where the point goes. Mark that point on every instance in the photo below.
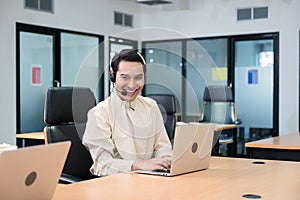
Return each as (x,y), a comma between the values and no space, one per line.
(138,78)
(125,77)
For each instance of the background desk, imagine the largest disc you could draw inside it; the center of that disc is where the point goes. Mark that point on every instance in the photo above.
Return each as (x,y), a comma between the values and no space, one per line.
(221,127)
(38,137)
(285,147)
(226,178)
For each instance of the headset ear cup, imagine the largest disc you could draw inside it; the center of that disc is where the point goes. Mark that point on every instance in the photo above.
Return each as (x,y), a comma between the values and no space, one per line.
(112,76)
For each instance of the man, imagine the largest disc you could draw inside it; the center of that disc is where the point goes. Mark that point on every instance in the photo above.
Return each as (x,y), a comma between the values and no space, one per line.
(126,131)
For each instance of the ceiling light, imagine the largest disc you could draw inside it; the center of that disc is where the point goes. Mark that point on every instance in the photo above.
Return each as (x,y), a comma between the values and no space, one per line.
(154,2)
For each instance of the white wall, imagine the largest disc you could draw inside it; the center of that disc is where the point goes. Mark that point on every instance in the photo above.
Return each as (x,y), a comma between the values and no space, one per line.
(189,18)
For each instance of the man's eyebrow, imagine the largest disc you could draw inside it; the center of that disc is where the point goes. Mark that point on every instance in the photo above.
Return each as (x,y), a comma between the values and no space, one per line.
(124,74)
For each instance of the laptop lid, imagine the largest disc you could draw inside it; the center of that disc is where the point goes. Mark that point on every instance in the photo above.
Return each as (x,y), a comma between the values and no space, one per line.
(32,172)
(191,150)
(192,147)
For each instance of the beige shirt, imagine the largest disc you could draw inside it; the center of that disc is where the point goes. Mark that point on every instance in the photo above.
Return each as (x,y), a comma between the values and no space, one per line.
(119,132)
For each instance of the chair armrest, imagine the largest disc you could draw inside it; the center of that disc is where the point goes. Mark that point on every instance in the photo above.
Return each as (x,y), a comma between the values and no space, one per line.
(67,179)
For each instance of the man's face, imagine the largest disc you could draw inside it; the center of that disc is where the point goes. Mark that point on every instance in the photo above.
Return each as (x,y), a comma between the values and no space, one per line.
(130,77)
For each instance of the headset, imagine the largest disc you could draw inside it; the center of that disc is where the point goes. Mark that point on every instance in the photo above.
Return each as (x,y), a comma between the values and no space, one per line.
(112,74)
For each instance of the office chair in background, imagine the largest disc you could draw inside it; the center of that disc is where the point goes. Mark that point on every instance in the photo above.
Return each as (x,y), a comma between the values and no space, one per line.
(218,107)
(66,115)
(167,106)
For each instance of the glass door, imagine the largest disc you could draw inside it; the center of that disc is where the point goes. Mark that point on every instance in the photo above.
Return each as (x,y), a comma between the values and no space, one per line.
(36,75)
(256,85)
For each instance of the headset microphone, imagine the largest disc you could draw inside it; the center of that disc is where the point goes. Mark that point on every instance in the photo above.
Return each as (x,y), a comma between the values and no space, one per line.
(123,92)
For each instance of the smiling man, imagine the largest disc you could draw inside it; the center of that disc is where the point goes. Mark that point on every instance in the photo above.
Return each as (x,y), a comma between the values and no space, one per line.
(126,131)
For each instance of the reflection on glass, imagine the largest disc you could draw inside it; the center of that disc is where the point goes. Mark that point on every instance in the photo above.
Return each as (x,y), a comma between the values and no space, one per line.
(266,59)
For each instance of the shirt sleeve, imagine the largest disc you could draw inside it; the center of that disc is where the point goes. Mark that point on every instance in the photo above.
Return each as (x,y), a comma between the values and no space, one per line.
(97,138)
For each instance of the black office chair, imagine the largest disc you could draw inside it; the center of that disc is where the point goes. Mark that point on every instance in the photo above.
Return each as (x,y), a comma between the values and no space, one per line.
(66,115)
(218,107)
(167,106)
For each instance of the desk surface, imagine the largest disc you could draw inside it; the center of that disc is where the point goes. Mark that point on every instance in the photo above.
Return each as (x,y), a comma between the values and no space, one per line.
(288,142)
(221,127)
(226,178)
(41,136)
(33,135)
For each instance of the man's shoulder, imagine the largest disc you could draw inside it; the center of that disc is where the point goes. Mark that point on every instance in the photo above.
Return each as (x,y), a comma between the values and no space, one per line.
(146,100)
(103,104)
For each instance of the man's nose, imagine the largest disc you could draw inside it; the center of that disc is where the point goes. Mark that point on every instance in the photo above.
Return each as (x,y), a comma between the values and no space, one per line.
(131,82)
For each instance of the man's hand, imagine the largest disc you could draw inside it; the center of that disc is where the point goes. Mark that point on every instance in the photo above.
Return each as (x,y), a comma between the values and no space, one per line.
(163,163)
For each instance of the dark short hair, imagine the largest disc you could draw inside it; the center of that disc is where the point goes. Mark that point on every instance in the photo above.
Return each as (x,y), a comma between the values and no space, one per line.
(131,55)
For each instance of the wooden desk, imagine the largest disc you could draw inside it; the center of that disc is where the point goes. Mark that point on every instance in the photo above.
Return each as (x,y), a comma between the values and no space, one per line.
(226,178)
(30,136)
(221,127)
(285,147)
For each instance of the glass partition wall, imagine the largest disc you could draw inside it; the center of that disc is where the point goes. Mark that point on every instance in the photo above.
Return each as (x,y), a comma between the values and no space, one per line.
(184,68)
(48,57)
(206,64)
(164,69)
(247,63)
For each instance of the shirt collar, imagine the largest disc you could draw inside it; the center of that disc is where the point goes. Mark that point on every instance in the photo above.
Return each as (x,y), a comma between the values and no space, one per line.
(130,105)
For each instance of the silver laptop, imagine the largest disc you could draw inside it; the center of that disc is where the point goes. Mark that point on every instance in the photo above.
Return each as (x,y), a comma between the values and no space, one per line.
(191,150)
(32,172)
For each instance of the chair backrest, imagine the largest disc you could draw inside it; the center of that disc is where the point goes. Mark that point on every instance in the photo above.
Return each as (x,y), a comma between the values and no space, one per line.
(218,105)
(167,106)
(66,115)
